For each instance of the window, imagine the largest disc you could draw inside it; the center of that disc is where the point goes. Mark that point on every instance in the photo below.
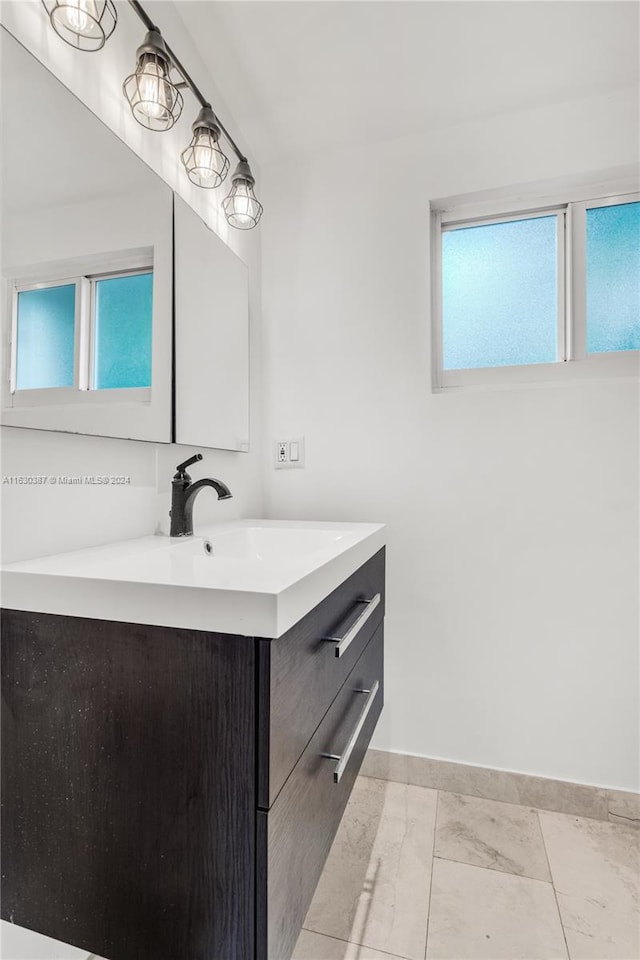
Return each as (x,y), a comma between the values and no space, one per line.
(45,337)
(78,336)
(530,295)
(122,323)
(613,277)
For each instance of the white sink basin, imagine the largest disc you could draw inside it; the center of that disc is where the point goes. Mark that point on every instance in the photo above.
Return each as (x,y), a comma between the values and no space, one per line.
(251,577)
(264,544)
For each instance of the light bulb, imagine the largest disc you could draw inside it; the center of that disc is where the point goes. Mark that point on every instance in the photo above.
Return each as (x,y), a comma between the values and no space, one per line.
(242,206)
(79,14)
(155,97)
(204,156)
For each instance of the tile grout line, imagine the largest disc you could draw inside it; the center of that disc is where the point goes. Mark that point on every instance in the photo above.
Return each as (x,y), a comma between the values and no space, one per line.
(553,886)
(353,943)
(433,860)
(506,873)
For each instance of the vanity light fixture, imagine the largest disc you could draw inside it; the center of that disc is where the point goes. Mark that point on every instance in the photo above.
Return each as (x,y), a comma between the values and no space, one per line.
(155,101)
(154,95)
(83,24)
(241,208)
(204,161)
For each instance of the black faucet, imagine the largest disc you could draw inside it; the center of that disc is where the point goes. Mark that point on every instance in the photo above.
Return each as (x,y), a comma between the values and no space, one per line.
(183,495)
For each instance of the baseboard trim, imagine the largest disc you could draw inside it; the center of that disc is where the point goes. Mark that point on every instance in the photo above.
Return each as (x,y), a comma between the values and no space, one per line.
(562,796)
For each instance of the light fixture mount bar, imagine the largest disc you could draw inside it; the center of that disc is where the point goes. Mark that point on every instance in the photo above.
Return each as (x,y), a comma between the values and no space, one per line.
(150,25)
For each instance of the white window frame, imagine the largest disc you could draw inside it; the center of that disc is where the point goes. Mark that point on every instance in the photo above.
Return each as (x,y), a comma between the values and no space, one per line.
(83,274)
(573,362)
(579,256)
(16,395)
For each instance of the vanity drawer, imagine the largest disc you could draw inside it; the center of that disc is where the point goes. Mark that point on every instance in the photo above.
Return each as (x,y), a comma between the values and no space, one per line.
(301,672)
(294,837)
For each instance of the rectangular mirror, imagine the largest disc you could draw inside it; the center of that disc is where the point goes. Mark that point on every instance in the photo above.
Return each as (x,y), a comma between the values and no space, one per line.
(88,256)
(87,267)
(212,337)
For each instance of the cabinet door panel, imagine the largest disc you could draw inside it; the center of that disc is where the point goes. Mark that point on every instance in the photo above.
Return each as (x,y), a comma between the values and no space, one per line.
(300,674)
(128,787)
(295,836)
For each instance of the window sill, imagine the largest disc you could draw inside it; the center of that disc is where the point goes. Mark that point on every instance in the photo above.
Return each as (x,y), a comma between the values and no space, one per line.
(597,367)
(71,397)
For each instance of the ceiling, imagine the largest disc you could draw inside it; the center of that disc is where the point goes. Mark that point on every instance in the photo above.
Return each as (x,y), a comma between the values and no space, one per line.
(302,77)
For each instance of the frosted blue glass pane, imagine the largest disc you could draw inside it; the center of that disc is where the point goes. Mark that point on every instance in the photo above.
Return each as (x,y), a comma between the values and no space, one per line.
(500,294)
(613,278)
(124,307)
(45,337)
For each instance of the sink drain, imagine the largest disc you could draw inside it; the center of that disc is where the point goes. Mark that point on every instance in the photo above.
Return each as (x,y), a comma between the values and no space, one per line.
(208,546)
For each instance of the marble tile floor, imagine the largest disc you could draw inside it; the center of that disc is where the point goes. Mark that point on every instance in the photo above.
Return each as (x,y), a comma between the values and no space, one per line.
(422,874)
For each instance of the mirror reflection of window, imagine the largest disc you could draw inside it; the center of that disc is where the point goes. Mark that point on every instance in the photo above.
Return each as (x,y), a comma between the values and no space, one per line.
(86,333)
(45,337)
(123,322)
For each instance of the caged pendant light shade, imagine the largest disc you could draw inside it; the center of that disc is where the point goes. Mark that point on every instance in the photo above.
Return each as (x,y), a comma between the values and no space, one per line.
(83,24)
(241,207)
(155,101)
(204,161)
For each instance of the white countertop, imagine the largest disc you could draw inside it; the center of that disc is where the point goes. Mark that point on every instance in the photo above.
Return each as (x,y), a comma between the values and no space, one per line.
(260,578)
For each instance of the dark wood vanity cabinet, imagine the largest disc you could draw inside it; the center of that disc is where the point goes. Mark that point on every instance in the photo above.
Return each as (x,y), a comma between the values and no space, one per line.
(173,794)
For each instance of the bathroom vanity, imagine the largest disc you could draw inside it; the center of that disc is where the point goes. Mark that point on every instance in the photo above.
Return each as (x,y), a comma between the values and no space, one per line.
(183,723)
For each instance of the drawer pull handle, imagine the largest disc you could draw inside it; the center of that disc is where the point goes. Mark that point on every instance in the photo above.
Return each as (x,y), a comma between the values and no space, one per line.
(344,642)
(343,758)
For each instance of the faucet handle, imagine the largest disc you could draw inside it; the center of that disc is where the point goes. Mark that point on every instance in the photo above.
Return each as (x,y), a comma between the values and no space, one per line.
(181,473)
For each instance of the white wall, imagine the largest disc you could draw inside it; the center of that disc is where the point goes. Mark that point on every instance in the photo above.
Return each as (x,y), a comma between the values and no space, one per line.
(512,628)
(49,519)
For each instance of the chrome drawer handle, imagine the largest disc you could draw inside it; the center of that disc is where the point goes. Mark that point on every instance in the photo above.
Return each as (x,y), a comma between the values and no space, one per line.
(343,758)
(344,642)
